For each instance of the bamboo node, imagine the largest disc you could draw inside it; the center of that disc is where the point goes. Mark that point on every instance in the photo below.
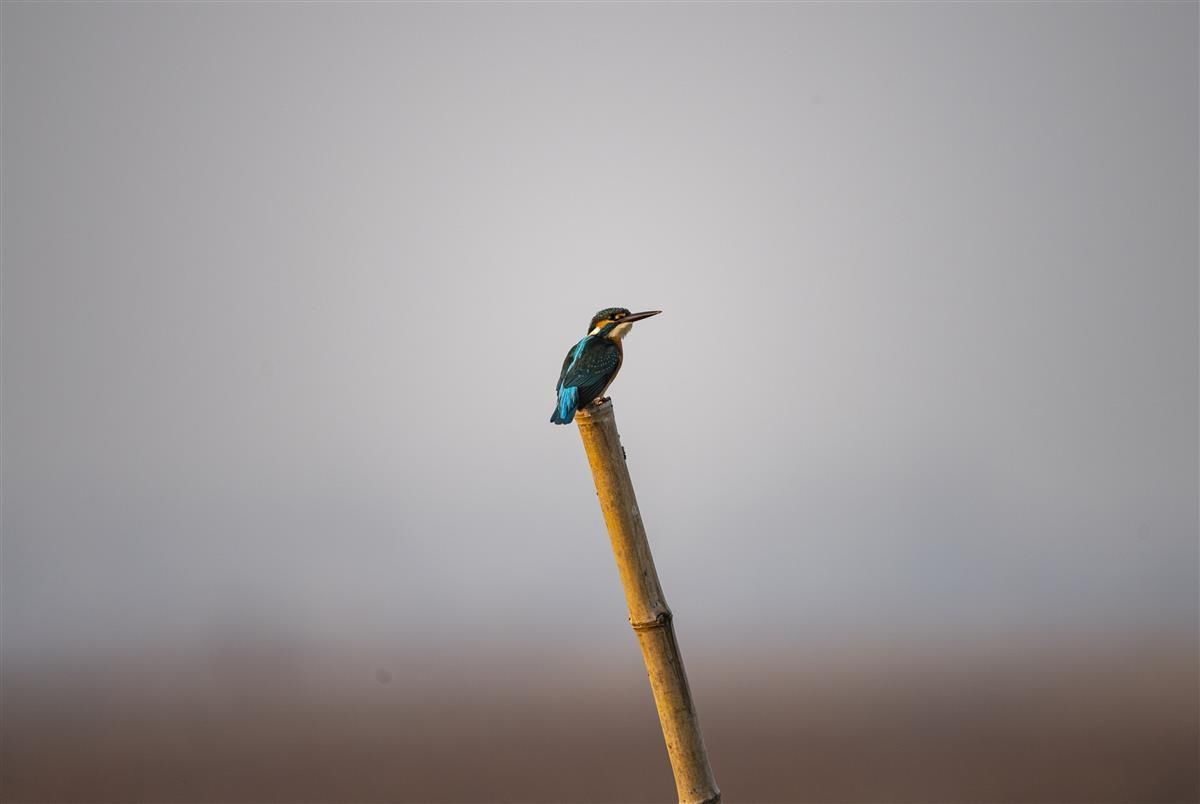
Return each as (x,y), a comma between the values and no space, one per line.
(661,620)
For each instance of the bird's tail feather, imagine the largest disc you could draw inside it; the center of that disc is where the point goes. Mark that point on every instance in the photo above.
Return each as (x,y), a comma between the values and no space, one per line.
(565,412)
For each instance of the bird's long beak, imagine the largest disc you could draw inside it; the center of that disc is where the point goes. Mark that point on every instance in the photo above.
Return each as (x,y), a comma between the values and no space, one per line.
(639,316)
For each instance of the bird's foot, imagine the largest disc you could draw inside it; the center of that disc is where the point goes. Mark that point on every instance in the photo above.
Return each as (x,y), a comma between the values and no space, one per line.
(598,402)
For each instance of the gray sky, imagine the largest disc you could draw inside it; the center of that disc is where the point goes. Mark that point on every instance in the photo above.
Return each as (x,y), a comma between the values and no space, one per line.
(286,289)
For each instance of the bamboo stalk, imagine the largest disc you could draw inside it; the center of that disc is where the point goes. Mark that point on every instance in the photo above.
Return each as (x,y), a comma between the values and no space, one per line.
(648,611)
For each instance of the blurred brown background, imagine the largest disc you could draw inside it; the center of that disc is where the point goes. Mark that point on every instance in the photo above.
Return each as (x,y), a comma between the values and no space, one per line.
(285,289)
(1005,721)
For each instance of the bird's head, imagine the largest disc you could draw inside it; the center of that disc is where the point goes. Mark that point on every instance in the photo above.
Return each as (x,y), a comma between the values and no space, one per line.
(615,322)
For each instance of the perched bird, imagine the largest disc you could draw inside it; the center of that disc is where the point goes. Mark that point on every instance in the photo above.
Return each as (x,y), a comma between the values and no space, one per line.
(593,363)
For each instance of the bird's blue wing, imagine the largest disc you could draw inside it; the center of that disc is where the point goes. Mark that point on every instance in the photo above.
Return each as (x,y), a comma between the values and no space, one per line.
(590,367)
(572,355)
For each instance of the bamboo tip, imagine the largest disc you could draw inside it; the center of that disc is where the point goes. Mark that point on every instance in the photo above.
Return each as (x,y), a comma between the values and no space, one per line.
(595,413)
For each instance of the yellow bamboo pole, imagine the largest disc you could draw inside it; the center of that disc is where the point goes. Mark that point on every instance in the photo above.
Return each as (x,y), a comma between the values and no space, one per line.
(648,612)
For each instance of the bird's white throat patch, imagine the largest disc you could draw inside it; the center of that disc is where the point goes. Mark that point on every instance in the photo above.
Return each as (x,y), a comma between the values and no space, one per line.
(618,332)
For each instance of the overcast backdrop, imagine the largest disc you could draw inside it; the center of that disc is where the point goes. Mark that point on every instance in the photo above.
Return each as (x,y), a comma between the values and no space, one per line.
(286,289)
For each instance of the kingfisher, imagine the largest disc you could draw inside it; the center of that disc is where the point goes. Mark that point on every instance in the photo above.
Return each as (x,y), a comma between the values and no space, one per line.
(593,363)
